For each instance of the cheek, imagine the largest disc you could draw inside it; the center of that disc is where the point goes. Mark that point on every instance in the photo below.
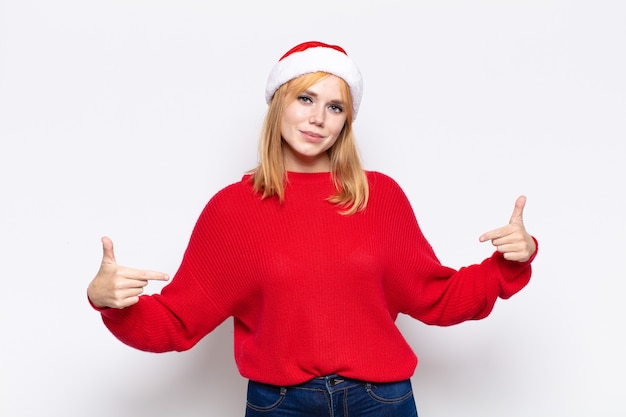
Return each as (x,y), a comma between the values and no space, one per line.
(286,121)
(337,127)
(294,112)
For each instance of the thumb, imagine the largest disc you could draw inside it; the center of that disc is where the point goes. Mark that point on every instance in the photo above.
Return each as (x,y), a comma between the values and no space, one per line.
(108,256)
(518,210)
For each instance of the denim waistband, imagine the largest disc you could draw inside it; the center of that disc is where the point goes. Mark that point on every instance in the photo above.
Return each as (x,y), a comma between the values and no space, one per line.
(330,383)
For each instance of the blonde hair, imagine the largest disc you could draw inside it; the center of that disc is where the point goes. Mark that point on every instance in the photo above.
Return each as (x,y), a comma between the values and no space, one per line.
(349,178)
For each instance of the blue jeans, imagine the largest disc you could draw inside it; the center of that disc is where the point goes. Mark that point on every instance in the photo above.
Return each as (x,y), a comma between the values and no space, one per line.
(331,396)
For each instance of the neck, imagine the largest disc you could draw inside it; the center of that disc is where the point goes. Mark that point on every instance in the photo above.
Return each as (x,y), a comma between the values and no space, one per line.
(304,164)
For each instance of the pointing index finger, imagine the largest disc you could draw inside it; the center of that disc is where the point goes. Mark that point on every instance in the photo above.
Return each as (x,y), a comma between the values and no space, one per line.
(493,234)
(145,275)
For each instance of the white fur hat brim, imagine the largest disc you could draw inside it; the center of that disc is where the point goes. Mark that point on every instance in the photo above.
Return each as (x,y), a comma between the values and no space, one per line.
(313,59)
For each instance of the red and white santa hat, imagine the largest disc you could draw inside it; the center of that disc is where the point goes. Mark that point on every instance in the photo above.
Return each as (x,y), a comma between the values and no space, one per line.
(313,57)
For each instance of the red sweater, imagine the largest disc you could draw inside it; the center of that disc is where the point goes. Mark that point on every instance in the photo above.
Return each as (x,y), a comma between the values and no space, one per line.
(312,292)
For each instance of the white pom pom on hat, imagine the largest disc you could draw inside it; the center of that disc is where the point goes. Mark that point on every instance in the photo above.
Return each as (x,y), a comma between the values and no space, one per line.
(316,56)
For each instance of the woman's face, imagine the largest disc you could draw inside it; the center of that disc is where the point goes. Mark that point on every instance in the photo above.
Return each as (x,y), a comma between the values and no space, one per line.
(311,124)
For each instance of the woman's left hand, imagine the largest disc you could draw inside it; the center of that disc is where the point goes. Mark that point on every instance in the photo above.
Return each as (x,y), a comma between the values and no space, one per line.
(512,240)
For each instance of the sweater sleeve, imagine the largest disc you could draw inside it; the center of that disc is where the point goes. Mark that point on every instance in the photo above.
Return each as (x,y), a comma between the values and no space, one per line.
(199,297)
(436,294)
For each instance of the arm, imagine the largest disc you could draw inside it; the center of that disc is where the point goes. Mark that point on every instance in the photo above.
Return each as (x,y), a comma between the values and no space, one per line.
(435,294)
(195,301)
(154,323)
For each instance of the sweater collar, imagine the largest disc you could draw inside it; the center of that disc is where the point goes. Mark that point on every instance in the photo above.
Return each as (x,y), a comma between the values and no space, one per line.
(308,177)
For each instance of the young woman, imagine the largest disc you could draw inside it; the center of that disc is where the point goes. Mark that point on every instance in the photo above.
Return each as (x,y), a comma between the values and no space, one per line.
(314,258)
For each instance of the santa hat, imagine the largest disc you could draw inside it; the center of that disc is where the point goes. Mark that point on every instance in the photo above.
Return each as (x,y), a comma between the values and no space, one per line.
(312,57)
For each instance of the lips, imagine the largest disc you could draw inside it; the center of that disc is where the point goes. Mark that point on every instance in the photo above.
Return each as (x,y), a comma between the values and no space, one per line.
(312,136)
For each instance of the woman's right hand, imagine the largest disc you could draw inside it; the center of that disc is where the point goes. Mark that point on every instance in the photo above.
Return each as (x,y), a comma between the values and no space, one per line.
(116,286)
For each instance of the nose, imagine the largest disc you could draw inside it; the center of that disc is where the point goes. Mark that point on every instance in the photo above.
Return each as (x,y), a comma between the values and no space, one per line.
(317,116)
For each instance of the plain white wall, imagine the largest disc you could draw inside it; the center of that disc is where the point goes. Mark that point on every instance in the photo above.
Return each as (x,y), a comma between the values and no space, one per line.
(124,117)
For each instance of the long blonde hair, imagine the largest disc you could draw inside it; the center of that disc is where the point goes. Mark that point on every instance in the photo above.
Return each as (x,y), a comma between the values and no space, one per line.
(349,178)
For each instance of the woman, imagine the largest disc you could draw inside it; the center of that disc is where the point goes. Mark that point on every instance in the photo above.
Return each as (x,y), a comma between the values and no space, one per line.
(314,258)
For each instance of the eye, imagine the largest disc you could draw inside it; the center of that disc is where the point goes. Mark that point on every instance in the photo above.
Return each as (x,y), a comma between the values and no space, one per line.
(335,108)
(305,99)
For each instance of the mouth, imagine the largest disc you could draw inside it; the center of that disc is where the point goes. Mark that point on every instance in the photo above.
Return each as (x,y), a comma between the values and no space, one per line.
(311,136)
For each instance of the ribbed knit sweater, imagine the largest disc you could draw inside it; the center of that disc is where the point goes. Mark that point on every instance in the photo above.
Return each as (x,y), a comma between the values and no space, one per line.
(312,292)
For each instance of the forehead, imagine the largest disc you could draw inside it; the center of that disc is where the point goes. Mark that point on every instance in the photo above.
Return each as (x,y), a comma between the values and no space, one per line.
(329,86)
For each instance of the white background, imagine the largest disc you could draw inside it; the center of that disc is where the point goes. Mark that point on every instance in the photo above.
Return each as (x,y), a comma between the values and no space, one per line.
(124,117)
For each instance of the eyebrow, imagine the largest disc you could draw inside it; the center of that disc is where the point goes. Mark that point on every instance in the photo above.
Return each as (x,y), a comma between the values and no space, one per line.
(313,94)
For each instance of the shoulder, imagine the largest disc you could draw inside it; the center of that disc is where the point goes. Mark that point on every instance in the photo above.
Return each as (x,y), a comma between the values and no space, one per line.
(385,192)
(235,189)
(381,182)
(228,209)
(236,194)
